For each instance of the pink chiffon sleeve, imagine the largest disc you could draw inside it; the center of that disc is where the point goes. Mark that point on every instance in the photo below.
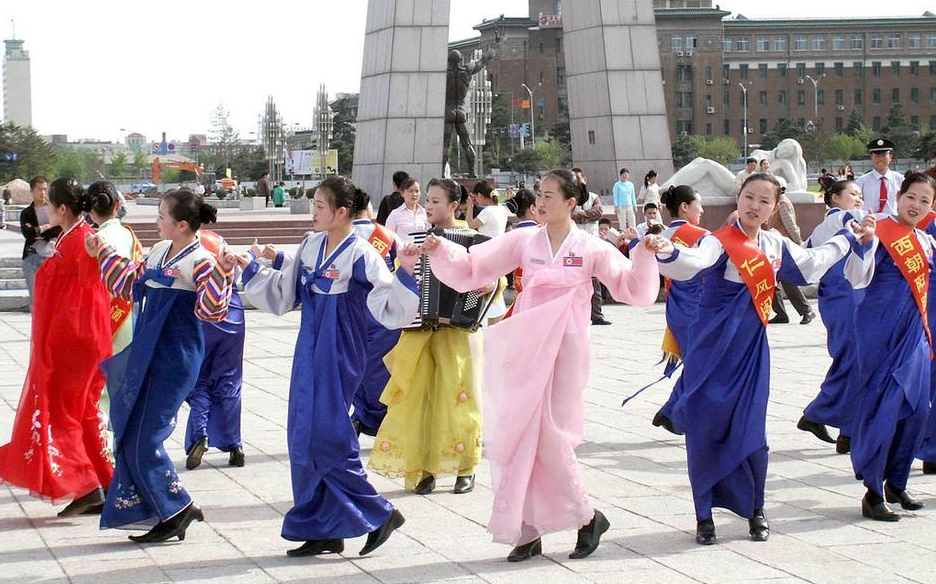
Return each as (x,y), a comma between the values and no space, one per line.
(464,270)
(636,281)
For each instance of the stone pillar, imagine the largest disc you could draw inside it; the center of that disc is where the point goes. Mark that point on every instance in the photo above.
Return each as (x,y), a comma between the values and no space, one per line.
(402,98)
(617,111)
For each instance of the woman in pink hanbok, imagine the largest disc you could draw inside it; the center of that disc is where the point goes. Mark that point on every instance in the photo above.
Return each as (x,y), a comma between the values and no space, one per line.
(534,399)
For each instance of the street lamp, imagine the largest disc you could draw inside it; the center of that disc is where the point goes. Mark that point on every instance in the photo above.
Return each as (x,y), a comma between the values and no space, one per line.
(815,84)
(532,122)
(744,106)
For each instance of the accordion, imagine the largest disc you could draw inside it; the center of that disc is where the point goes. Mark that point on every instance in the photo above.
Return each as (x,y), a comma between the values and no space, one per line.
(440,305)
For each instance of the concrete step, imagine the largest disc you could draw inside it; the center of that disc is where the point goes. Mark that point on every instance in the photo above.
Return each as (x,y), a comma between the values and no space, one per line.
(13,284)
(11,273)
(11,262)
(14,300)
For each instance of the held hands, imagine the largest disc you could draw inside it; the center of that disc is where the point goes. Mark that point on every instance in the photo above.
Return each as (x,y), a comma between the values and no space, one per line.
(658,244)
(267,252)
(630,233)
(865,230)
(92,243)
(431,244)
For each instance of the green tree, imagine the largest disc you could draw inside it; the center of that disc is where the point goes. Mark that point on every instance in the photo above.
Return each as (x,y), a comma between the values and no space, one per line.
(722,149)
(223,134)
(140,164)
(526,161)
(899,131)
(94,167)
(343,133)
(856,127)
(552,153)
(844,147)
(926,149)
(685,149)
(118,165)
(783,129)
(563,132)
(23,153)
(68,163)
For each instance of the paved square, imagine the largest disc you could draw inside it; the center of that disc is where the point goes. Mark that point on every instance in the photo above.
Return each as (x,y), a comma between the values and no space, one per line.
(636,474)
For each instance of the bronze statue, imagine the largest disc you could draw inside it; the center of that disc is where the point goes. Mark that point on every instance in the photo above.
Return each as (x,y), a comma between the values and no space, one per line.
(456,89)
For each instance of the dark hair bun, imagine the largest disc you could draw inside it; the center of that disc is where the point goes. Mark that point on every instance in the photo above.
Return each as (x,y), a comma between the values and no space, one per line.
(207,213)
(102,195)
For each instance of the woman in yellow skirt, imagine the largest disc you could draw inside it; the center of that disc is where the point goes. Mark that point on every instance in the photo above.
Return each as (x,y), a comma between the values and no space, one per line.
(433,422)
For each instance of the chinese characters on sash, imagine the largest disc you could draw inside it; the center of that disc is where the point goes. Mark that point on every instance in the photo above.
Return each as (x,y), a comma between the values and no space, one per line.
(755,269)
(907,253)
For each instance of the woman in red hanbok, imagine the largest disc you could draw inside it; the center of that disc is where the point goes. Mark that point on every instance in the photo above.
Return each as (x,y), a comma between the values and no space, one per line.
(58,449)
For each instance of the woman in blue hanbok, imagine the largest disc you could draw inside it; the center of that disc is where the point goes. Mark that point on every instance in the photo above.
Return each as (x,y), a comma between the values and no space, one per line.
(179,285)
(339,279)
(895,352)
(723,407)
(837,400)
(682,298)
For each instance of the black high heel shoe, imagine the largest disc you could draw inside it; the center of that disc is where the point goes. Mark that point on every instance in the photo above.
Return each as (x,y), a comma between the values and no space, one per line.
(524,552)
(589,536)
(315,547)
(906,500)
(376,538)
(198,450)
(464,484)
(705,532)
(236,458)
(818,430)
(878,511)
(85,503)
(758,526)
(425,486)
(172,527)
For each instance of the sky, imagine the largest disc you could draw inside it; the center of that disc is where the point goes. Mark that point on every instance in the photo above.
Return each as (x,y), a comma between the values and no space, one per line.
(104,68)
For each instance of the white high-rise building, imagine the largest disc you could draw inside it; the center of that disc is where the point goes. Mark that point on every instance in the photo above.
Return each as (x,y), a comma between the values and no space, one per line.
(17,91)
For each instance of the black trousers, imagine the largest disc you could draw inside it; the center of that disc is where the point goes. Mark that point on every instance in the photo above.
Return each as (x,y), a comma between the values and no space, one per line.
(596,301)
(796,297)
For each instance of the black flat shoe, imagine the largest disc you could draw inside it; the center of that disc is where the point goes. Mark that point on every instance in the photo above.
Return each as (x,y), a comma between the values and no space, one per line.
(94,499)
(661,421)
(906,500)
(94,509)
(810,316)
(842,444)
(929,467)
(198,450)
(377,537)
(315,547)
(589,536)
(425,486)
(759,528)
(173,527)
(236,458)
(464,484)
(601,322)
(705,532)
(779,320)
(877,512)
(818,430)
(526,551)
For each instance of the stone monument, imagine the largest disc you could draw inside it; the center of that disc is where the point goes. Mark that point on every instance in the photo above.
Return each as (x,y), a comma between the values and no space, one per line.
(617,111)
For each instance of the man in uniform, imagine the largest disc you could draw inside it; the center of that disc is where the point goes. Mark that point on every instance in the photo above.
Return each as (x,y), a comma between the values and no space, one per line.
(879,185)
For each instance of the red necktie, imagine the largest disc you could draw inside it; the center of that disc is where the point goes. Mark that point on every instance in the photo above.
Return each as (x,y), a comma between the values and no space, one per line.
(883,199)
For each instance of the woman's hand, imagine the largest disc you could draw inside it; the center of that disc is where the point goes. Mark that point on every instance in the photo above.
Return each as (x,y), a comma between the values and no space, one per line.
(658,244)
(408,258)
(92,243)
(865,231)
(431,244)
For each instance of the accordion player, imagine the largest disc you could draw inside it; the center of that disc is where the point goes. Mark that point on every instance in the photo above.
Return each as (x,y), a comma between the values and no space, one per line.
(440,305)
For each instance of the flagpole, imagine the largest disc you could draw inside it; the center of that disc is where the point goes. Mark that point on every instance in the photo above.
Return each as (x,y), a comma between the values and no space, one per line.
(532,121)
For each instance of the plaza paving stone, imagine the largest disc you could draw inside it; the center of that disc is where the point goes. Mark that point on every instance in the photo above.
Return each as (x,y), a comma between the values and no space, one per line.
(635,473)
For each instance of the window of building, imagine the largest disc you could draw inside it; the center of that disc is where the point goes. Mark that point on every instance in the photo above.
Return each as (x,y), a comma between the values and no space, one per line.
(933,94)
(858,97)
(858,68)
(800,97)
(914,41)
(779,44)
(726,101)
(679,99)
(818,43)
(801,70)
(820,70)
(763,126)
(743,71)
(687,99)
(560,76)
(931,41)
(727,45)
(876,123)
(708,73)
(726,127)
(563,106)
(762,98)
(763,44)
(915,122)
(875,68)
(876,95)
(542,78)
(915,68)
(591,137)
(559,44)
(820,97)
(839,69)
(684,72)
(857,41)
(838,42)
(932,123)
(895,69)
(932,67)
(877,42)
(762,70)
(692,43)
(741,44)
(895,95)
(782,70)
(680,128)
(708,100)
(542,49)
(799,44)
(893,41)
(839,97)
(839,124)
(708,129)
(781,97)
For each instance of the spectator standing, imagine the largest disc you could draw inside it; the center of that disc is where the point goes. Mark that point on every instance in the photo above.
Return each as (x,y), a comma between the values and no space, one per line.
(651,217)
(263,188)
(279,194)
(879,185)
(650,191)
(750,167)
(586,218)
(394,199)
(784,221)
(624,200)
(410,217)
(38,231)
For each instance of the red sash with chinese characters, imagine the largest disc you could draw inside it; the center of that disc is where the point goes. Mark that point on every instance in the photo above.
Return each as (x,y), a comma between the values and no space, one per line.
(381,239)
(922,225)
(120,310)
(686,235)
(905,249)
(753,265)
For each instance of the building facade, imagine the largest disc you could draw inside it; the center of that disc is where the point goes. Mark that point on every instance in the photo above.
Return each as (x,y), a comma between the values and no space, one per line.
(17,89)
(818,70)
